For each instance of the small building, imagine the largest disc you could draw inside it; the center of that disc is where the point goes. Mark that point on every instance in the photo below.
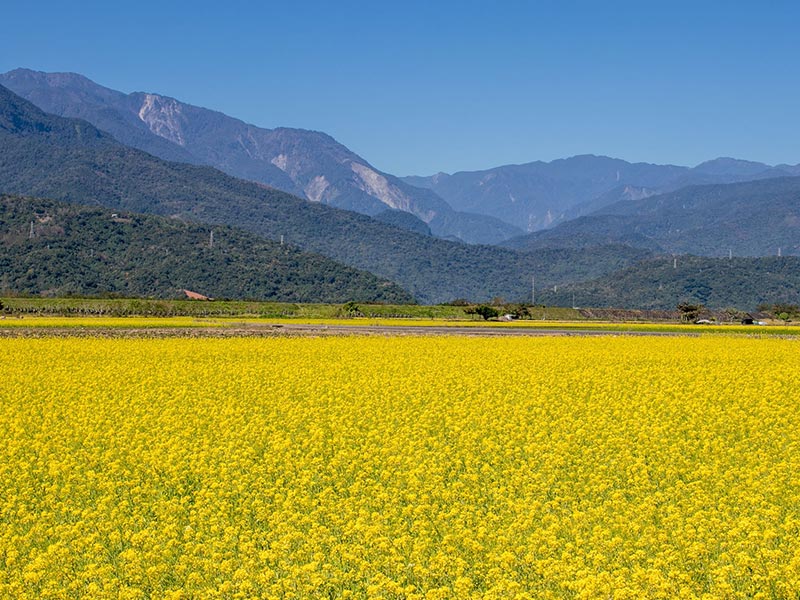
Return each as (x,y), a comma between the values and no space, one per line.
(195,296)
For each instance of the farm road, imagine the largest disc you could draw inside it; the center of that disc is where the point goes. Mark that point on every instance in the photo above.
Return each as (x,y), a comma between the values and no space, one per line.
(267,329)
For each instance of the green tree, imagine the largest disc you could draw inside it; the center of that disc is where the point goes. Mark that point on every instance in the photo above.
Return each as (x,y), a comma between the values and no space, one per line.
(689,312)
(351,309)
(786,312)
(487,312)
(521,311)
(734,314)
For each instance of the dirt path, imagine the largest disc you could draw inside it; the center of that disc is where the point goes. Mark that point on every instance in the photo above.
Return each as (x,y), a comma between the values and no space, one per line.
(300,329)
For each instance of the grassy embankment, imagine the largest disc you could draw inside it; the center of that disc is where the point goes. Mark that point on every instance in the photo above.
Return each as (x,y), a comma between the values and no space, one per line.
(129,307)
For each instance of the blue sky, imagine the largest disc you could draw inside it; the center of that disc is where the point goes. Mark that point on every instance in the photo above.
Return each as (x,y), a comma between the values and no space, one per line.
(419,87)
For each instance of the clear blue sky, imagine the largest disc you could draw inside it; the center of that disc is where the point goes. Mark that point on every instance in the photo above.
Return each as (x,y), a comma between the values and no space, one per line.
(418,87)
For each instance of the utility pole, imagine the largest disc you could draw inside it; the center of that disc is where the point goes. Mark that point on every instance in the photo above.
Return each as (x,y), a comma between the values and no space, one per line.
(730,253)
(674,262)
(211,239)
(533,289)
(779,251)
(281,239)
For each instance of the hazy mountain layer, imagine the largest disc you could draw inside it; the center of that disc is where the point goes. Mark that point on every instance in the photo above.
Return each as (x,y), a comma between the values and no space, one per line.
(755,218)
(540,195)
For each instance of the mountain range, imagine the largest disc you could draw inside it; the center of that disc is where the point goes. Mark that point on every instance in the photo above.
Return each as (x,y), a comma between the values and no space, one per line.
(488,206)
(44,155)
(308,164)
(752,218)
(539,194)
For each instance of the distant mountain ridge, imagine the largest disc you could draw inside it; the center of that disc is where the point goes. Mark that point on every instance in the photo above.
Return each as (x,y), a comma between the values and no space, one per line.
(309,164)
(751,218)
(539,195)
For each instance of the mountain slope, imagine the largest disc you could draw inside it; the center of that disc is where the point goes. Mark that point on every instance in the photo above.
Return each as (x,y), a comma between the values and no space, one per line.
(309,164)
(586,233)
(662,283)
(65,159)
(55,248)
(753,218)
(541,195)
(538,194)
(404,220)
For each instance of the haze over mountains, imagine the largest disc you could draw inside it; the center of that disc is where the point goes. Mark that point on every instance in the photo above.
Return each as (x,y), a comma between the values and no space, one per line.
(591,216)
(752,218)
(539,195)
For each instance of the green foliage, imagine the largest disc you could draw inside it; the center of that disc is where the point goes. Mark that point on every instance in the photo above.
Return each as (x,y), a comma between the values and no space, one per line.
(744,283)
(403,220)
(520,311)
(124,307)
(792,311)
(782,310)
(77,250)
(689,312)
(351,309)
(483,310)
(487,312)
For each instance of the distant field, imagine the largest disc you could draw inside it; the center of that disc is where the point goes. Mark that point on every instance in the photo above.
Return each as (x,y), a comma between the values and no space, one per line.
(405,467)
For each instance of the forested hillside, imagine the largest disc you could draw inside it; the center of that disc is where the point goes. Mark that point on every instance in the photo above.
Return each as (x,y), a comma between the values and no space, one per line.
(55,248)
(754,218)
(663,282)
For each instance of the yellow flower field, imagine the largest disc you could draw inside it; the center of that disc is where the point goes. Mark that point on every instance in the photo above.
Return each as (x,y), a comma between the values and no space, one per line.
(436,467)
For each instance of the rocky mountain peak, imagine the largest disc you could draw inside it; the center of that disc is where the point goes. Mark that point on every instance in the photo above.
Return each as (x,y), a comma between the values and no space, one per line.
(163,116)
